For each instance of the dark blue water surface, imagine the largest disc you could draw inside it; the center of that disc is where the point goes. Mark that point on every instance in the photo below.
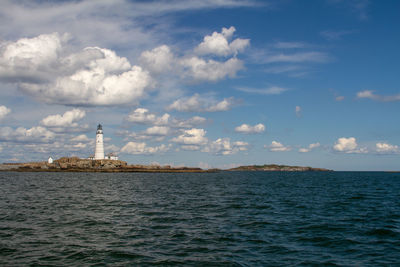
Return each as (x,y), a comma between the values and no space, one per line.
(215,219)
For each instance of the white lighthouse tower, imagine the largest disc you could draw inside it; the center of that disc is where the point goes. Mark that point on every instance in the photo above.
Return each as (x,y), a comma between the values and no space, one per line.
(99,151)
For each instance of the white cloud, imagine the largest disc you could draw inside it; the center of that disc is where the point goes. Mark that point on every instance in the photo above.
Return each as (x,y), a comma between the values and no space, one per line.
(386,148)
(95,87)
(309,148)
(277,147)
(161,59)
(210,70)
(142,148)
(143,116)
(95,76)
(298,111)
(30,58)
(66,123)
(36,134)
(197,103)
(348,145)
(366,94)
(248,129)
(273,90)
(191,137)
(68,119)
(157,131)
(224,146)
(218,43)
(119,23)
(158,60)
(4,111)
(371,95)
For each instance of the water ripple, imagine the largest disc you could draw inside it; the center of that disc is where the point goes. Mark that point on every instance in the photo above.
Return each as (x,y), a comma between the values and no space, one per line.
(216,219)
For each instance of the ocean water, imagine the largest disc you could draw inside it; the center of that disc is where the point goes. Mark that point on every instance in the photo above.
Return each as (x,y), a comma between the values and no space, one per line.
(205,219)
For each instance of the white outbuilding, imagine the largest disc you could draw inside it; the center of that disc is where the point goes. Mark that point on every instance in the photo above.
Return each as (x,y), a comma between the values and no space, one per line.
(50,160)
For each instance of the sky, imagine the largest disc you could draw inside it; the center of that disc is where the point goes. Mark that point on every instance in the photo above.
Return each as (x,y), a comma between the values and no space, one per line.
(210,84)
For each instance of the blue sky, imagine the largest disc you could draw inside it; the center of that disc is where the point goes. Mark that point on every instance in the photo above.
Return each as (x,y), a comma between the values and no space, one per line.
(202,83)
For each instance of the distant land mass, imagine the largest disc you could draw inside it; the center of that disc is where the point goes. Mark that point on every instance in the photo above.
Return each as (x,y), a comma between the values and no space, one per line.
(275,167)
(75,164)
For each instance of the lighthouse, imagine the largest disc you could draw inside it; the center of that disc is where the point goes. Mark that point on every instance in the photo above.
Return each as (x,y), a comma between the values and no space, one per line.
(99,151)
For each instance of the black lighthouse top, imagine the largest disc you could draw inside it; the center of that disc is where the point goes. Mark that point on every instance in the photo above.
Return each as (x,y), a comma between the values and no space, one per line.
(99,127)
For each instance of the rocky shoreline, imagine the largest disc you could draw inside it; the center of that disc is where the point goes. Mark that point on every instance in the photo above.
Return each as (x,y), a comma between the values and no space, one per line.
(75,164)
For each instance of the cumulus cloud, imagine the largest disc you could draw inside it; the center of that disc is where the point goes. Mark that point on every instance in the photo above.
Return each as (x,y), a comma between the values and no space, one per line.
(348,145)
(158,60)
(371,95)
(68,119)
(309,148)
(162,60)
(4,111)
(30,59)
(277,147)
(68,122)
(43,69)
(218,43)
(386,148)
(191,137)
(36,134)
(143,116)
(157,131)
(197,103)
(94,87)
(210,70)
(248,129)
(224,146)
(141,148)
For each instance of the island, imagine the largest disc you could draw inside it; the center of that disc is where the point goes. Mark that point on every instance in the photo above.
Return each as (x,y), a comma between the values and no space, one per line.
(75,164)
(275,167)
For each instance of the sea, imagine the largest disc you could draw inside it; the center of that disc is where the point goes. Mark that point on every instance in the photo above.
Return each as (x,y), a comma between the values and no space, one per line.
(200,219)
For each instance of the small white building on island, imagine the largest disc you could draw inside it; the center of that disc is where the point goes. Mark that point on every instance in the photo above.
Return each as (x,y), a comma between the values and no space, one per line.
(111,156)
